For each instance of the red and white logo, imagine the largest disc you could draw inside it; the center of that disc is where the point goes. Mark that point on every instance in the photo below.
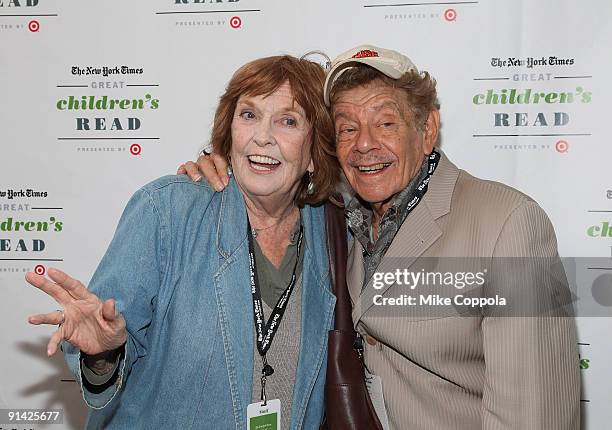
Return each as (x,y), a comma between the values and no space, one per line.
(450,14)
(39,269)
(562,146)
(135,149)
(235,22)
(33,26)
(365,53)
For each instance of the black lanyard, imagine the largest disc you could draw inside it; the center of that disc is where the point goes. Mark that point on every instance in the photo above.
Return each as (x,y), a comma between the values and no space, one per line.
(432,162)
(266,331)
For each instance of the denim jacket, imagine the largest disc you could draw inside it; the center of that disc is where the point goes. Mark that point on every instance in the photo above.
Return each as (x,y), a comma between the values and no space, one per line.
(178,270)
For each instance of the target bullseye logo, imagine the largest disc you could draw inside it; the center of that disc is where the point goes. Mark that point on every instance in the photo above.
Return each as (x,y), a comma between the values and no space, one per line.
(135,149)
(562,146)
(33,26)
(235,22)
(450,14)
(39,269)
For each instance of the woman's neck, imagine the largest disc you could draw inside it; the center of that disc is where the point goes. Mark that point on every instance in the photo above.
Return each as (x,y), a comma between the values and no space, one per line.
(273,225)
(265,213)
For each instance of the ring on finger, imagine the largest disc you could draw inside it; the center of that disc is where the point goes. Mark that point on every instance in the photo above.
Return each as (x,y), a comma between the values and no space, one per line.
(61,311)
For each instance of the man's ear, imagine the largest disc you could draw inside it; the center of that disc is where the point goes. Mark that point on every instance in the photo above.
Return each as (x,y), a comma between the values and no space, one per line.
(432,126)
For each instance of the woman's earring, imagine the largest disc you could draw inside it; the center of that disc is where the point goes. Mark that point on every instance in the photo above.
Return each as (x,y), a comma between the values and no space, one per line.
(229,166)
(311,188)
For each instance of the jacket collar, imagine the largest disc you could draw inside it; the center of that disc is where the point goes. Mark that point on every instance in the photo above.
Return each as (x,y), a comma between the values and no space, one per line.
(231,234)
(440,191)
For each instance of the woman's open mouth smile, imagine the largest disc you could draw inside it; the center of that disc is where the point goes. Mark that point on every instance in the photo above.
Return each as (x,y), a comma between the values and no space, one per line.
(263,163)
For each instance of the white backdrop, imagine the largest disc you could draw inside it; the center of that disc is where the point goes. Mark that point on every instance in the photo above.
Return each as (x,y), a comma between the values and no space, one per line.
(173,59)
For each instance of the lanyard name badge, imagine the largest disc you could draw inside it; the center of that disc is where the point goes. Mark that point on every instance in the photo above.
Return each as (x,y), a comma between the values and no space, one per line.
(265,415)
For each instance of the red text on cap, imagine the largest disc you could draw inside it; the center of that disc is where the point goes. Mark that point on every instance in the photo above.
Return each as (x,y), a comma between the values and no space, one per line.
(364,53)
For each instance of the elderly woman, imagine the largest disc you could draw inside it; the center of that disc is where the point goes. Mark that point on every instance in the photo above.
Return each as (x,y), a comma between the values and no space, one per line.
(207,304)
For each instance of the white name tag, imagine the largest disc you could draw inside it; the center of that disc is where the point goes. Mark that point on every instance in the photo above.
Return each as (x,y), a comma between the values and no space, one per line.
(374,385)
(261,417)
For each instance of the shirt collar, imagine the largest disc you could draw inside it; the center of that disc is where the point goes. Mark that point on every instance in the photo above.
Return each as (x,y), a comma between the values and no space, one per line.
(360,214)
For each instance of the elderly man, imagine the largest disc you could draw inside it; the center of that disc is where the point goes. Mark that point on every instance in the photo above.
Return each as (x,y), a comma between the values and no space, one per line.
(443,367)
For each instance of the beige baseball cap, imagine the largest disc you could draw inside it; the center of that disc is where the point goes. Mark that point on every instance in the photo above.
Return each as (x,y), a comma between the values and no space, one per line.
(391,63)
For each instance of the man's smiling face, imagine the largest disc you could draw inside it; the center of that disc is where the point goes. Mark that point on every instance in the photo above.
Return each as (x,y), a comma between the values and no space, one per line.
(379,146)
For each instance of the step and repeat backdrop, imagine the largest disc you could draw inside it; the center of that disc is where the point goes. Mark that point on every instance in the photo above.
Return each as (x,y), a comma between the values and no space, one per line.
(98,98)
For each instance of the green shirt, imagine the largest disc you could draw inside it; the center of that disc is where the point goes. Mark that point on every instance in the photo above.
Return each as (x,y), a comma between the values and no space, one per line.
(273,281)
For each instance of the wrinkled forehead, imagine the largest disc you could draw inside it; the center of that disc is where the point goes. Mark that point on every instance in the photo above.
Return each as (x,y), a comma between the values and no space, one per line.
(370,98)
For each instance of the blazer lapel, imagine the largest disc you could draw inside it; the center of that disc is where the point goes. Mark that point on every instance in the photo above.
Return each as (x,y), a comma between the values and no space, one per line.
(417,233)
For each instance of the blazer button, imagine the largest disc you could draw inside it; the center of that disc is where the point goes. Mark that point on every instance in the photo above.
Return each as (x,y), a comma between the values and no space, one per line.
(370,340)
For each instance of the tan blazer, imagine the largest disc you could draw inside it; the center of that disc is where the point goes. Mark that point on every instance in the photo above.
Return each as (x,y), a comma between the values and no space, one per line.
(444,370)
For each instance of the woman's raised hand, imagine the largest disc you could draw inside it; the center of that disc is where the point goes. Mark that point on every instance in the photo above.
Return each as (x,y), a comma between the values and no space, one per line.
(86,322)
